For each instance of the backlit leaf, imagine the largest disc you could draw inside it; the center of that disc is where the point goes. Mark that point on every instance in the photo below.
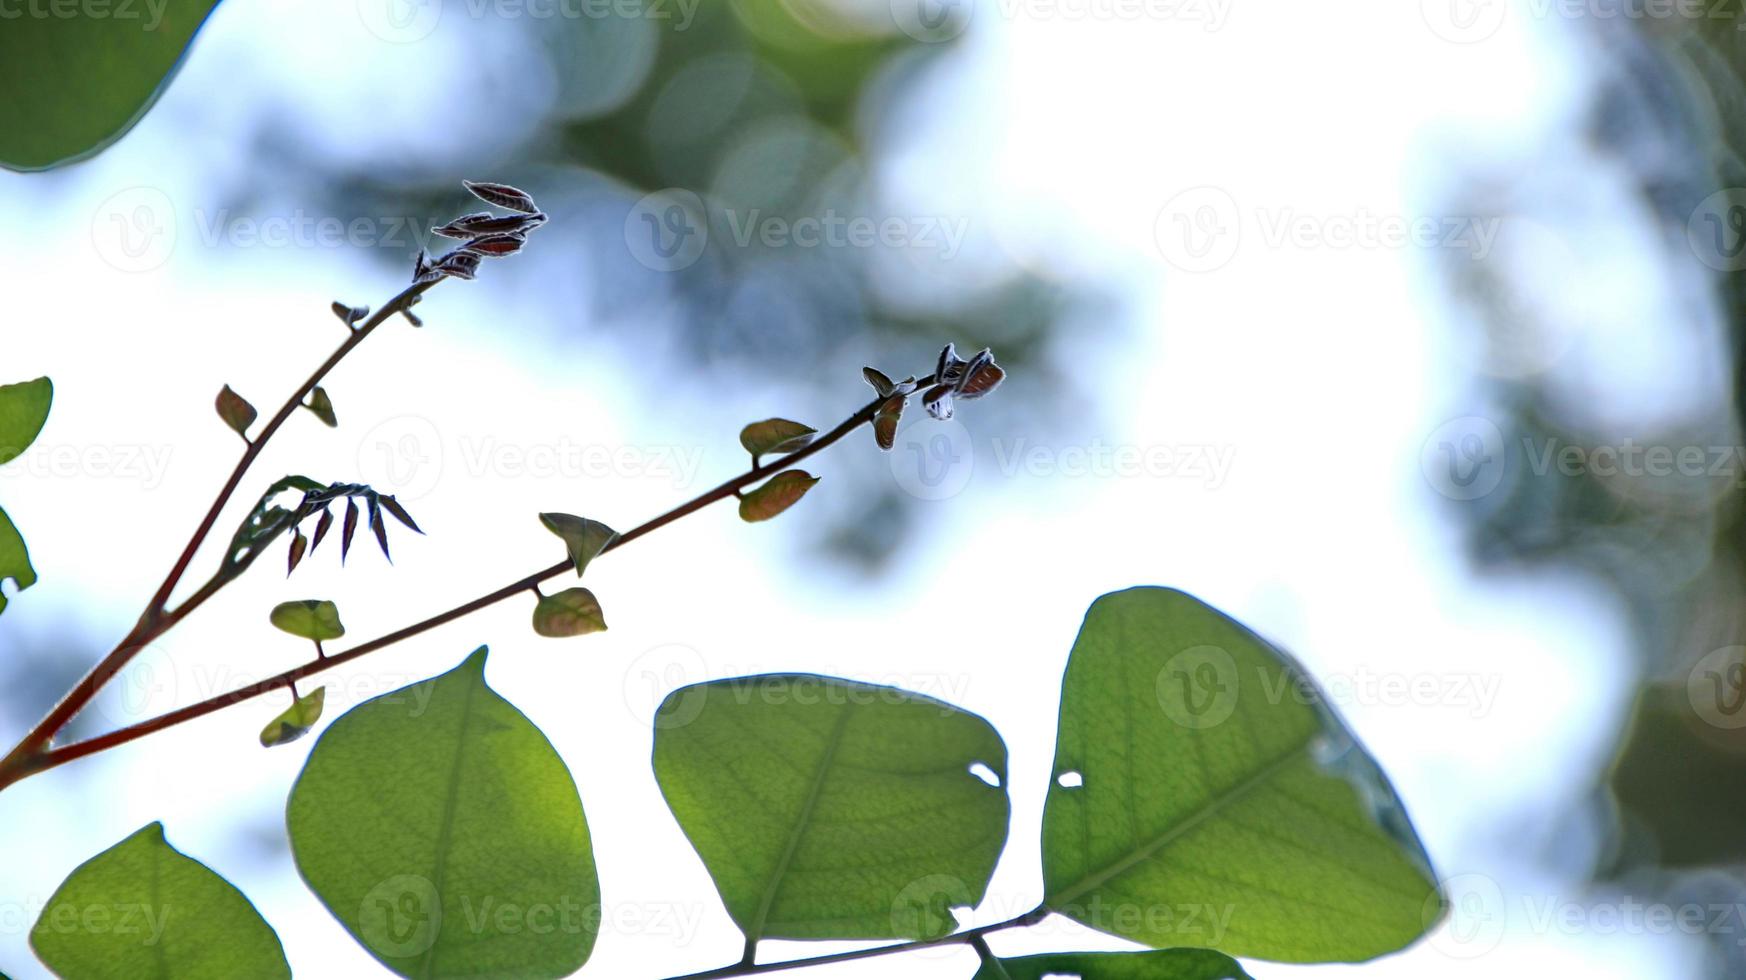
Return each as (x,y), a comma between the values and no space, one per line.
(312,619)
(235,411)
(572,612)
(1198,767)
(322,406)
(14,559)
(584,538)
(439,826)
(143,910)
(1162,964)
(831,809)
(776,495)
(775,436)
(296,721)
(24,407)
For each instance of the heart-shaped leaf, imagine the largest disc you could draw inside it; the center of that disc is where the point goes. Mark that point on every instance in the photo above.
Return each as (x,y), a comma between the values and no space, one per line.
(143,910)
(441,828)
(830,809)
(236,411)
(572,612)
(24,407)
(1162,964)
(296,721)
(776,495)
(1198,767)
(584,538)
(775,436)
(312,619)
(90,76)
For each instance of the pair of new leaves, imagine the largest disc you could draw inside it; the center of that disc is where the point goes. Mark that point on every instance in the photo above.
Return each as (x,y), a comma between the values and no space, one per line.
(1213,815)
(24,409)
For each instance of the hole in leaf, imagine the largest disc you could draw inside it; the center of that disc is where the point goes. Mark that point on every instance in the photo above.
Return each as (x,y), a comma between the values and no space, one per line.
(1062,976)
(1070,780)
(987,775)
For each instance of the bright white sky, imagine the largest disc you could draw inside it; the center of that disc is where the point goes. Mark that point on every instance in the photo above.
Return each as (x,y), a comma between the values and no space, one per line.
(1311,372)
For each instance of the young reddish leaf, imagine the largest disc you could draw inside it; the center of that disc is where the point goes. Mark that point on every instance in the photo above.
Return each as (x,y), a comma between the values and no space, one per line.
(496,245)
(312,619)
(296,721)
(236,411)
(502,195)
(572,612)
(321,529)
(322,406)
(460,263)
(882,385)
(885,421)
(776,495)
(483,223)
(380,529)
(583,537)
(775,436)
(348,529)
(299,544)
(393,507)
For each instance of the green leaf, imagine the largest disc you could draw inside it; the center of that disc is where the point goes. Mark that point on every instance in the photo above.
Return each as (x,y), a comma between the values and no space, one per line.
(1198,768)
(1163,964)
(90,77)
(830,809)
(322,406)
(14,559)
(312,619)
(296,721)
(441,828)
(584,538)
(775,436)
(236,412)
(24,407)
(778,493)
(572,612)
(143,910)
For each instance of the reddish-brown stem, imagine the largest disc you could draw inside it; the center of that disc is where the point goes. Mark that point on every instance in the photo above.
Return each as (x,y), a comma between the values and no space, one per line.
(49,757)
(31,751)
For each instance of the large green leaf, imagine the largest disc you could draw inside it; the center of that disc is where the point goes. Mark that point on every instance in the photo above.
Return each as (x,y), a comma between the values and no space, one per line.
(143,910)
(73,82)
(24,407)
(441,828)
(830,809)
(1162,964)
(1198,769)
(14,559)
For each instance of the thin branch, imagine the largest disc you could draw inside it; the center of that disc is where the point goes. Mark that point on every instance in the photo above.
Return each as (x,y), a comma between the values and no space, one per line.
(50,757)
(30,753)
(970,937)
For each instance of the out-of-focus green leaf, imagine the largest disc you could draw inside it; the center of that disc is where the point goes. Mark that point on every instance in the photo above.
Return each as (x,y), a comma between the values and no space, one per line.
(583,537)
(89,78)
(143,910)
(14,559)
(1198,767)
(441,828)
(296,721)
(775,495)
(1162,964)
(322,406)
(830,809)
(24,407)
(775,436)
(1680,777)
(312,619)
(572,612)
(236,411)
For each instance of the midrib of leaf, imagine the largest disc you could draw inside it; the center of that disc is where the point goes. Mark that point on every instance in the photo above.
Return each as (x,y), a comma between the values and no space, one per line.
(448,824)
(781,870)
(158,952)
(1212,807)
